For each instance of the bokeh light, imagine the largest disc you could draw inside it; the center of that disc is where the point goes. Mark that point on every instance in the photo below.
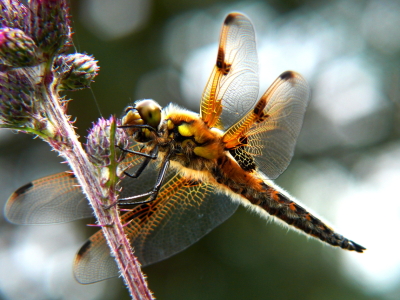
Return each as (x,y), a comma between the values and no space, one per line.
(346,165)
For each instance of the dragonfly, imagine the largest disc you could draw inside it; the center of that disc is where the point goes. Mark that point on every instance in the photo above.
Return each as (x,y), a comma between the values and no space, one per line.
(191,171)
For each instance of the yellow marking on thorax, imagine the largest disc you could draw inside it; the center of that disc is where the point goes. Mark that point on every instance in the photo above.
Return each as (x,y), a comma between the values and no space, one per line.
(186,129)
(170,125)
(189,124)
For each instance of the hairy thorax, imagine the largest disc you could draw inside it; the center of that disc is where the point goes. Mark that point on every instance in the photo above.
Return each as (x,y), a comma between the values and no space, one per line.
(192,144)
(200,150)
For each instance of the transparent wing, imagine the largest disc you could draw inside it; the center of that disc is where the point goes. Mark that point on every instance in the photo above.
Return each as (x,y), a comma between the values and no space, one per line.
(271,142)
(232,88)
(52,199)
(184,211)
(93,261)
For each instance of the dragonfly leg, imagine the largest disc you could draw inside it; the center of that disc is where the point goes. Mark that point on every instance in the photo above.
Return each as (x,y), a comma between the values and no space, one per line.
(154,192)
(151,128)
(152,155)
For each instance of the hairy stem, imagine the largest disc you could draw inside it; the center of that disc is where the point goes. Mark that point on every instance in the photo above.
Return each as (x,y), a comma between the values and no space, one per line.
(113,230)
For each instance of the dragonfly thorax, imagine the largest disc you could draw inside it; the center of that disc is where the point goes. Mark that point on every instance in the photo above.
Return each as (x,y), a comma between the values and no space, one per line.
(190,139)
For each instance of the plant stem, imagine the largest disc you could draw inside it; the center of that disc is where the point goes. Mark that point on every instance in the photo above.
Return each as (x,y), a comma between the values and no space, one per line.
(85,172)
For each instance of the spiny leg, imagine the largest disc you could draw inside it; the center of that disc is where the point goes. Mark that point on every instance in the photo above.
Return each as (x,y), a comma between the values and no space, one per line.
(151,128)
(148,157)
(154,192)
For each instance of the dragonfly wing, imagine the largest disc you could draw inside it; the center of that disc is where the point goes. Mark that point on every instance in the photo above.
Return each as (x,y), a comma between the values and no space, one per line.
(184,211)
(53,199)
(56,198)
(232,88)
(93,261)
(271,142)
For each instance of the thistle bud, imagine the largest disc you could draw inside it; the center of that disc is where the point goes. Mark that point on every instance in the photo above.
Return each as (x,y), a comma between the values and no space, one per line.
(98,142)
(16,98)
(13,14)
(50,25)
(17,49)
(75,71)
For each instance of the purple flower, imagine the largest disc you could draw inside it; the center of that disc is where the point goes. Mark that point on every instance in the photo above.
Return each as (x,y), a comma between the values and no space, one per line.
(98,142)
(17,49)
(75,71)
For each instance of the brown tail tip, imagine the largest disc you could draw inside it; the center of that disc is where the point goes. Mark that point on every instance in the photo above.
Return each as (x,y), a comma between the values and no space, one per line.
(352,246)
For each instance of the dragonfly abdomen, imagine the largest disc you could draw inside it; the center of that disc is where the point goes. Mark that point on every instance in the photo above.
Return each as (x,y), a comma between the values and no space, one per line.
(251,186)
(281,206)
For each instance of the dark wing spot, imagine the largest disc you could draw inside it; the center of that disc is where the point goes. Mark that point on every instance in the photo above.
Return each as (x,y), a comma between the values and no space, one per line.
(23,189)
(262,118)
(243,158)
(86,246)
(244,140)
(72,175)
(229,18)
(260,106)
(221,58)
(287,75)
(256,109)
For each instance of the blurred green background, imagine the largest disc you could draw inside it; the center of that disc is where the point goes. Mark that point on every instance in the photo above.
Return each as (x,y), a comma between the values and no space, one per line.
(346,166)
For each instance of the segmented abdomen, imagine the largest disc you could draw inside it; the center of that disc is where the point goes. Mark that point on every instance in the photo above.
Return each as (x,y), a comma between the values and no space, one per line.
(252,187)
(280,206)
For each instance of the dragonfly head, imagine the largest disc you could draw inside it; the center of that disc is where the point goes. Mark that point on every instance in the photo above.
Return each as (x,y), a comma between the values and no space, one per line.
(142,112)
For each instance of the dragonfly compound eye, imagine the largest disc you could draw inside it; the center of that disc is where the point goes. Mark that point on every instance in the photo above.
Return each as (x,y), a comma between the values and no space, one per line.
(150,112)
